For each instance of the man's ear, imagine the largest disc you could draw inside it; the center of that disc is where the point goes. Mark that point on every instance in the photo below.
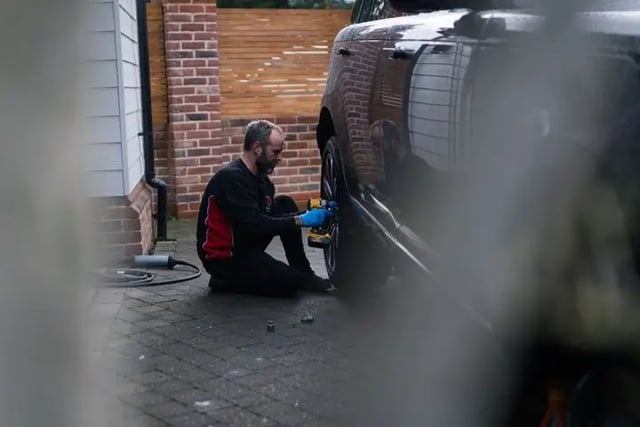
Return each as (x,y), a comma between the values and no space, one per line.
(257,148)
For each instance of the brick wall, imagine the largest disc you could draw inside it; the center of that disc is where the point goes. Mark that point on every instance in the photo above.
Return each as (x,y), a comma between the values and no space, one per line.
(197,142)
(123,226)
(194,99)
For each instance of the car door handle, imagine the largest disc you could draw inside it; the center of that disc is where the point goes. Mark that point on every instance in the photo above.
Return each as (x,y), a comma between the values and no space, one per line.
(401,54)
(344,51)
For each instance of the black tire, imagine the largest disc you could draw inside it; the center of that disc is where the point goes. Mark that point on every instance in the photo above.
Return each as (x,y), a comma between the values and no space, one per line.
(356,259)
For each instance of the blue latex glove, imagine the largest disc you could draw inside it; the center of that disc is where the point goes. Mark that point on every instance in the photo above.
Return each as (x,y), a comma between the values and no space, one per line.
(333,206)
(315,217)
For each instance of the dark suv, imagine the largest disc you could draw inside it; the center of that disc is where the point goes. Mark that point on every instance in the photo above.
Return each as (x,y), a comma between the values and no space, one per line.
(413,92)
(432,117)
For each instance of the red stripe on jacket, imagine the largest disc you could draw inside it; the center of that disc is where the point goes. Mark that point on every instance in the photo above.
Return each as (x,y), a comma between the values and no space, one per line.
(219,233)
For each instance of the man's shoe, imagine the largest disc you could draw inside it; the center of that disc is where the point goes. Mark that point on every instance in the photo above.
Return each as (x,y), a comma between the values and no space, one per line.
(219,285)
(317,284)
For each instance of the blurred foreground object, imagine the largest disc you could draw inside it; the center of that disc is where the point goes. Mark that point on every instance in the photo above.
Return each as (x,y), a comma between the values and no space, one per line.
(44,249)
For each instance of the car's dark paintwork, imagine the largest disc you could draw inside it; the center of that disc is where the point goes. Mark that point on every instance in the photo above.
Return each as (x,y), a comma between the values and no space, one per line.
(412,101)
(413,76)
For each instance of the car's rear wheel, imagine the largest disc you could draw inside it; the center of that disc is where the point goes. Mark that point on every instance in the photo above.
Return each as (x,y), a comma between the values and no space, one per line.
(356,259)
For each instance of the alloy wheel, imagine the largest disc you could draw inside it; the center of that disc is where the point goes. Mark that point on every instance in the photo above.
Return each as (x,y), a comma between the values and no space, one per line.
(329,191)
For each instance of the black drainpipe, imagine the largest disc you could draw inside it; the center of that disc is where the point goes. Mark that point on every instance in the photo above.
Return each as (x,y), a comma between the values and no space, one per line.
(147,122)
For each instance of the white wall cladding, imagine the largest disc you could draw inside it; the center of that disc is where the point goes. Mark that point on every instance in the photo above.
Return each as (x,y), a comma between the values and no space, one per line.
(115,160)
(130,93)
(104,157)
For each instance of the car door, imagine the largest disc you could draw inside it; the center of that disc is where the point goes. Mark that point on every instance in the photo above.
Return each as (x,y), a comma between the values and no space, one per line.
(415,125)
(355,56)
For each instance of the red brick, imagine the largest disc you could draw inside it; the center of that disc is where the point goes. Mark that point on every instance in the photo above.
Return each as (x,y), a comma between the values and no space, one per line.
(172,46)
(308,153)
(168,26)
(210,143)
(208,125)
(196,152)
(199,170)
(184,126)
(182,143)
(195,99)
(287,188)
(298,179)
(195,81)
(289,171)
(184,108)
(193,45)
(279,180)
(195,134)
(208,107)
(204,36)
(181,90)
(297,145)
(307,135)
(198,189)
(194,63)
(178,154)
(186,8)
(178,17)
(211,160)
(188,197)
(297,128)
(192,27)
(206,72)
(296,162)
(170,8)
(178,36)
(186,162)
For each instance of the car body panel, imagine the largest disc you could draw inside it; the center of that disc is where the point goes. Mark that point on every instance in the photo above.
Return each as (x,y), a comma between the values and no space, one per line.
(410,105)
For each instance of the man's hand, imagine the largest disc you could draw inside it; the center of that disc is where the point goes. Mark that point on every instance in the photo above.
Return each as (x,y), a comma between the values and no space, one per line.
(315,217)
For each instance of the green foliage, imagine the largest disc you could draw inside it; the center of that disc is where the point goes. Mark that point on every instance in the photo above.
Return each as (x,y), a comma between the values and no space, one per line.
(287,4)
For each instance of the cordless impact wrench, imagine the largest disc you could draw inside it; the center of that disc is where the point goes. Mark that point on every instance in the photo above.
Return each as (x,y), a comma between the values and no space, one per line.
(319,237)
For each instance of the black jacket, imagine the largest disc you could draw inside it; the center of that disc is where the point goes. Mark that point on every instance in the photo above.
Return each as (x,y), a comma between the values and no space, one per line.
(235,212)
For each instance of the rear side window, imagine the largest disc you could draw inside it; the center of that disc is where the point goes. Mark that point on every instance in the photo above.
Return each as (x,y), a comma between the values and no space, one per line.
(373,10)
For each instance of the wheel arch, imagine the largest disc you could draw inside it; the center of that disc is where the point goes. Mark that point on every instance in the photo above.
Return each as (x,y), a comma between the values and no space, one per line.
(325,128)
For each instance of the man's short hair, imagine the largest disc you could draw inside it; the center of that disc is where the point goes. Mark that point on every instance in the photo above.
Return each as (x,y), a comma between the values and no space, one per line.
(259,130)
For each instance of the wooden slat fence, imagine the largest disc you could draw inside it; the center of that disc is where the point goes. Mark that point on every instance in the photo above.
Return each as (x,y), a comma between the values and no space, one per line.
(157,64)
(273,62)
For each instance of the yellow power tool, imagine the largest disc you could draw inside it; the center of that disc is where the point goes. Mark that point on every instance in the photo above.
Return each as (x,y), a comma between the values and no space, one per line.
(319,237)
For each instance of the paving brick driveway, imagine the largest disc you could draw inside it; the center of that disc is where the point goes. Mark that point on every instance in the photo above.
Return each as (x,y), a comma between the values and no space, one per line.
(179,355)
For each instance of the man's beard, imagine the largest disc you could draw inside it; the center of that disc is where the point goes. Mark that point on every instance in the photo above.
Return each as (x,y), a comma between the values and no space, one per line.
(265,167)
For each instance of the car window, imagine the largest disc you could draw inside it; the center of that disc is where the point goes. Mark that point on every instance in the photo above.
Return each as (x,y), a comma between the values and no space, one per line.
(373,10)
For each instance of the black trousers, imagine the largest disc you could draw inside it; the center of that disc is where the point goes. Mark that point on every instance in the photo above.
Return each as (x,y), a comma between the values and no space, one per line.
(256,272)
